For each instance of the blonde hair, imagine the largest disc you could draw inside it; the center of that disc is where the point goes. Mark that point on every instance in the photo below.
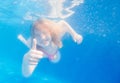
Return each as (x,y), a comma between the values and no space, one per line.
(51,27)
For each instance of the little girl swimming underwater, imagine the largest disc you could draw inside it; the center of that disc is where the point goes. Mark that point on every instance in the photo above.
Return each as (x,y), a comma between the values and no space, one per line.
(45,42)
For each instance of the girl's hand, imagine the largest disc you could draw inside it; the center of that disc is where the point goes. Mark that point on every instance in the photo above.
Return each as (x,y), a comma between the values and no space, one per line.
(78,38)
(34,53)
(31,59)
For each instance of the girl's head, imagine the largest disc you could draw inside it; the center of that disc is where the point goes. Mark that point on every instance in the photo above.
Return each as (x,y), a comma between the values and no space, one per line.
(45,33)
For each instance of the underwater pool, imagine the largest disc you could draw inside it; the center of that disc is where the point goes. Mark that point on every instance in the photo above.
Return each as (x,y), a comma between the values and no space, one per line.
(95,60)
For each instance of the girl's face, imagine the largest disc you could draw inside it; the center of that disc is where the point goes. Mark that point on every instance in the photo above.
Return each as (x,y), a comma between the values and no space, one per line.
(43,37)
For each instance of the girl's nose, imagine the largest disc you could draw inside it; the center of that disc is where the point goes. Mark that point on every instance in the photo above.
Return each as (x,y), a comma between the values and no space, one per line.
(43,36)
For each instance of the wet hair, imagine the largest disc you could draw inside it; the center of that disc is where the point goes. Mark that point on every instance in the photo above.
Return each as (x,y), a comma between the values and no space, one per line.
(51,27)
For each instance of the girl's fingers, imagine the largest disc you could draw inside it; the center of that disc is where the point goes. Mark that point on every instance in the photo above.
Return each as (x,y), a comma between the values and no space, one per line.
(36,54)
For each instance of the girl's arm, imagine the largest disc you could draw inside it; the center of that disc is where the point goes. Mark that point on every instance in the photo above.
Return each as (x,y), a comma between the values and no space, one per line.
(27,42)
(76,37)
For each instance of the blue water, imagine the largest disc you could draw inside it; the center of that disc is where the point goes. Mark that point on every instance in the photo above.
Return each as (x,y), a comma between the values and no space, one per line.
(96,60)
